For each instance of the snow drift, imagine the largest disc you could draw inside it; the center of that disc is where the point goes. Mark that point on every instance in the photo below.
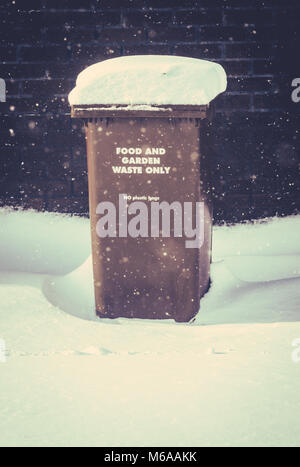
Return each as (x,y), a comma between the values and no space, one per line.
(228,379)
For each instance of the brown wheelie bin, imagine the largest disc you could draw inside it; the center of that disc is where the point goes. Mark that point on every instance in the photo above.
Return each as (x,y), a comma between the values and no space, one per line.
(156,155)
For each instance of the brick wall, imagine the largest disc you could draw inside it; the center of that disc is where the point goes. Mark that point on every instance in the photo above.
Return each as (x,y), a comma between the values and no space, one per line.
(44,44)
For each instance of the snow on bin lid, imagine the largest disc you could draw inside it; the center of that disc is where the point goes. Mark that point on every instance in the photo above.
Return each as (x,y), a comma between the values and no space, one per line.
(149,80)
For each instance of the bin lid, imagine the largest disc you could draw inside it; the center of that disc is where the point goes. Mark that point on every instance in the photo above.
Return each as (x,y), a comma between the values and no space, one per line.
(142,83)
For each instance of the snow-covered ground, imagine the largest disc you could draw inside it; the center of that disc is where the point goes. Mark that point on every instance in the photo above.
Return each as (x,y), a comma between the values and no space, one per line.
(227,379)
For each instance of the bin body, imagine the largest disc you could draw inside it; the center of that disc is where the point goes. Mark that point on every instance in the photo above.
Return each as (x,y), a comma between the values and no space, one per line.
(147,277)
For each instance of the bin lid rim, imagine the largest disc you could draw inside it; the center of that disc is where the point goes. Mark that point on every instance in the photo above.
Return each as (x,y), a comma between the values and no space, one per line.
(123,110)
(139,107)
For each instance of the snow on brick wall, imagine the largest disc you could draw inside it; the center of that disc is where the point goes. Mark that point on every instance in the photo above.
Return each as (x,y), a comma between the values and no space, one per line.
(44,44)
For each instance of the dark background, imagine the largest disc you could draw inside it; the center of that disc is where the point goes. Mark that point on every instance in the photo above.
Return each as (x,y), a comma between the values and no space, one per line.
(44,44)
